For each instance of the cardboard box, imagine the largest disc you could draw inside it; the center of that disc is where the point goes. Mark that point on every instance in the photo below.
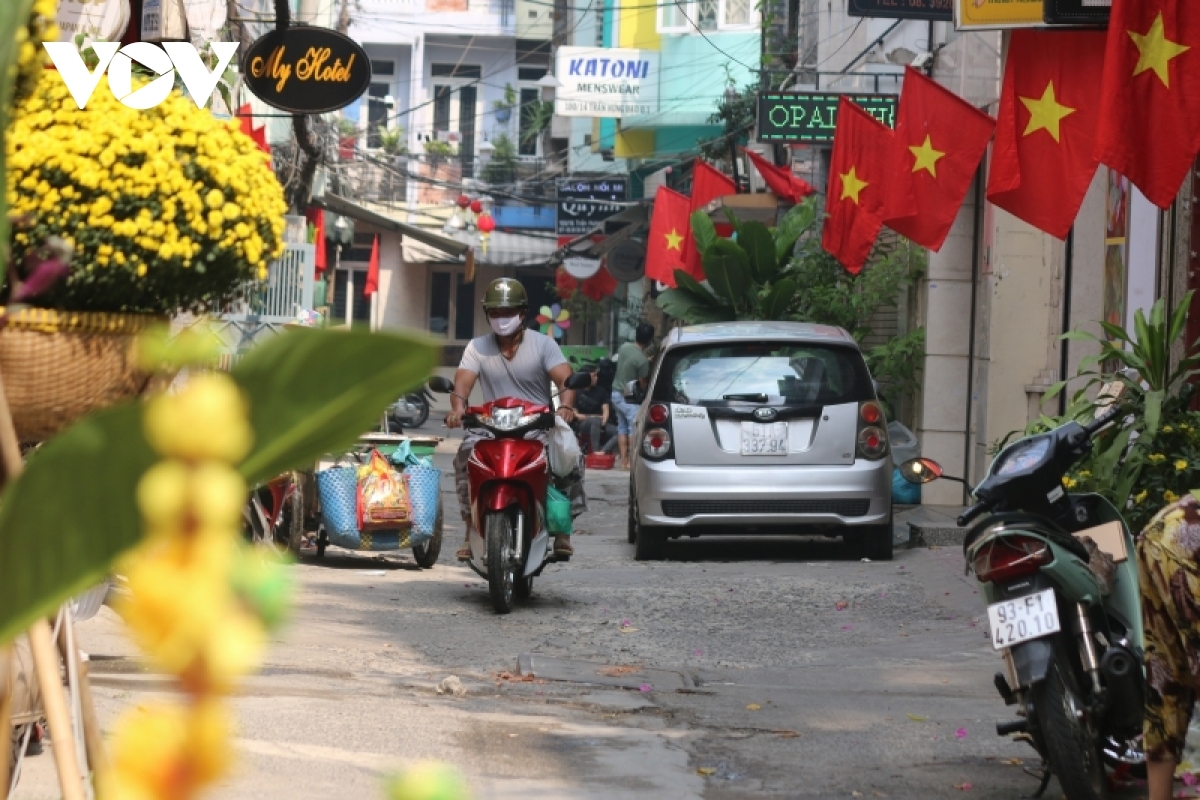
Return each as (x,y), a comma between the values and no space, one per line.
(1110,538)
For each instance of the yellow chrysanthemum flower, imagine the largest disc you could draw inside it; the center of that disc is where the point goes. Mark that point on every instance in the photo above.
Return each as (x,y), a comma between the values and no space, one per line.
(1180,465)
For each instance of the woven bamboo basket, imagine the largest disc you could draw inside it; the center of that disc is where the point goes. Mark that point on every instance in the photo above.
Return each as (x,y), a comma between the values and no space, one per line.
(58,366)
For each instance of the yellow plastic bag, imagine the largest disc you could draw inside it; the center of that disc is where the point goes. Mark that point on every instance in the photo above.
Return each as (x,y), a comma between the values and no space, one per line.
(382,496)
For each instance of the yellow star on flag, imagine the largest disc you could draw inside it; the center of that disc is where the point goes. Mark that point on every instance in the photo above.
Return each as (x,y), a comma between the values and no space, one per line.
(1155,51)
(1046,112)
(674,240)
(852,185)
(926,156)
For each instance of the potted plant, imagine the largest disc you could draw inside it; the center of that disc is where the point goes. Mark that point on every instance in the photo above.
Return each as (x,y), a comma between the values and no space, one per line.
(504,107)
(502,168)
(437,150)
(123,217)
(537,116)
(392,141)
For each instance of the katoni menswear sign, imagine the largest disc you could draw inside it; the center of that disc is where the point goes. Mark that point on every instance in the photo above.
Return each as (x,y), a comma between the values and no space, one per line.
(812,116)
(306,70)
(605,82)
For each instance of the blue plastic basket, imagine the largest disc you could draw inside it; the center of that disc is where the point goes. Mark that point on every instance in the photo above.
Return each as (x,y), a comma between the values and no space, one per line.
(338,490)
(424,495)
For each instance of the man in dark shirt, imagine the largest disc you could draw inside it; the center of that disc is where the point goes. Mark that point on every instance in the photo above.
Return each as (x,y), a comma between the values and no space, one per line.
(592,410)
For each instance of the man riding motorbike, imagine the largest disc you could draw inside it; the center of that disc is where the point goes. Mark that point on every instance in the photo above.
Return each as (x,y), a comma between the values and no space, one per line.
(510,362)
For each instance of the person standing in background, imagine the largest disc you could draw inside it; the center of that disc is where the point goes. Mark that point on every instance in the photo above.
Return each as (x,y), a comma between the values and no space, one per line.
(632,365)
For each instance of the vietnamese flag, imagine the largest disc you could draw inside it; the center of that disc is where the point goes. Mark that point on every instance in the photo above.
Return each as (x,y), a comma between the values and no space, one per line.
(372,284)
(316,216)
(780,180)
(858,197)
(669,230)
(939,141)
(259,134)
(1150,98)
(1044,156)
(707,185)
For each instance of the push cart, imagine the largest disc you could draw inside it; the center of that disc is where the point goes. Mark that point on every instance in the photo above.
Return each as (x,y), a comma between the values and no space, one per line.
(337,491)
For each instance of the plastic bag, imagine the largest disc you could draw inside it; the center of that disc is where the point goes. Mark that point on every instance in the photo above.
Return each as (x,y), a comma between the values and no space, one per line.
(558,512)
(382,496)
(564,449)
(903,492)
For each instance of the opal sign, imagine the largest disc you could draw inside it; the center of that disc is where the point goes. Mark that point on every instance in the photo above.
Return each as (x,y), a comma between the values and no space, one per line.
(606,82)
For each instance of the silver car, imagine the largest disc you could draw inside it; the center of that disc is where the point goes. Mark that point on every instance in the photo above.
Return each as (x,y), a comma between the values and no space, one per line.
(761,427)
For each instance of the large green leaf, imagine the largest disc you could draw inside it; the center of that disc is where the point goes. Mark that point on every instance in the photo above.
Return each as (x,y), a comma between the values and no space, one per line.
(778,299)
(726,267)
(686,282)
(70,514)
(1152,414)
(755,239)
(315,391)
(13,16)
(795,222)
(703,231)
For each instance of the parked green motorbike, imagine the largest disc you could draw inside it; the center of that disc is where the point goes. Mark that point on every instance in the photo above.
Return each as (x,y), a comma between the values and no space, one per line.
(1070,635)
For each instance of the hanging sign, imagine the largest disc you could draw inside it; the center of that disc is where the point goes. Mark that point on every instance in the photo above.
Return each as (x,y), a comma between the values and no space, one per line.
(306,70)
(997,14)
(937,10)
(581,268)
(581,202)
(106,19)
(605,82)
(1077,12)
(812,116)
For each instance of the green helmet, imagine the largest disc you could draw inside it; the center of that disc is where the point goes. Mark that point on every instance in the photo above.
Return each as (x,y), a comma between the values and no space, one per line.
(505,293)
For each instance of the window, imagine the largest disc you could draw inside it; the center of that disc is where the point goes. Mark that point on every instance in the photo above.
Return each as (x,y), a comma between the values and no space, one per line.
(530,112)
(383,68)
(349,304)
(451,306)
(530,73)
(378,112)
(456,70)
(685,16)
(771,372)
(441,108)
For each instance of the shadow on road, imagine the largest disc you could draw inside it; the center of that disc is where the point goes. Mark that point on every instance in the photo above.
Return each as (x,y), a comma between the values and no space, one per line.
(345,559)
(780,549)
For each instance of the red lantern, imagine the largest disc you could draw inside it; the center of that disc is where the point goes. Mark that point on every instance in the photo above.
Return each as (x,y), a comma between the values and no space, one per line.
(463,201)
(476,206)
(486,223)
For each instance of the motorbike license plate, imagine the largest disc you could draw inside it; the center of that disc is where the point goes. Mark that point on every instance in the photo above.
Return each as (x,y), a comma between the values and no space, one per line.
(764,440)
(1023,618)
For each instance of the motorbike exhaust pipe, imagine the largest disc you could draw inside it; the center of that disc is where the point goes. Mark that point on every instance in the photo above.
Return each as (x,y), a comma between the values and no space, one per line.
(1122,673)
(1016,726)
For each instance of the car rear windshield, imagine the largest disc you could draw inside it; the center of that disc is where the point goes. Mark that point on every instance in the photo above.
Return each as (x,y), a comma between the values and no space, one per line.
(774,373)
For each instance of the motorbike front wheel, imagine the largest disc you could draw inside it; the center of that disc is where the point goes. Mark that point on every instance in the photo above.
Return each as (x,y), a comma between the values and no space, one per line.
(1071,745)
(422,408)
(500,533)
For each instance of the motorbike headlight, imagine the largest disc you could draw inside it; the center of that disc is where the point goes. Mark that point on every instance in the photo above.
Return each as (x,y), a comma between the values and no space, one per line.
(510,419)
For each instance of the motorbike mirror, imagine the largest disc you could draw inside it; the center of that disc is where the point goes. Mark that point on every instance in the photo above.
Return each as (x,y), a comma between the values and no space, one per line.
(440,384)
(920,470)
(579,380)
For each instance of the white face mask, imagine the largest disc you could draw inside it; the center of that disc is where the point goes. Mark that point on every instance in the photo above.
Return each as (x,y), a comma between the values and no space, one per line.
(505,326)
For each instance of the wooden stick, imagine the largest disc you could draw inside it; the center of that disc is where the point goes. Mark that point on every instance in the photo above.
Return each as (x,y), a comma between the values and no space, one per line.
(45,661)
(7,667)
(93,739)
(10,446)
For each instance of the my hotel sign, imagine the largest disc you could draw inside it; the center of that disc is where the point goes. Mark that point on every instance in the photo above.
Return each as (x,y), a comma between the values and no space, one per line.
(306,70)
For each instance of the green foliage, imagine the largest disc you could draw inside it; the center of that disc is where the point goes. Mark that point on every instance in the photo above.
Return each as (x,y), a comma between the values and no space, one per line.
(390,141)
(536,117)
(73,510)
(1136,465)
(438,149)
(783,273)
(13,16)
(502,167)
(736,115)
(509,100)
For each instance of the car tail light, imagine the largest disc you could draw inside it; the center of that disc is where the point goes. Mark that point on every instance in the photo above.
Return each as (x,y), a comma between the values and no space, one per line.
(870,413)
(656,443)
(658,413)
(872,438)
(1006,557)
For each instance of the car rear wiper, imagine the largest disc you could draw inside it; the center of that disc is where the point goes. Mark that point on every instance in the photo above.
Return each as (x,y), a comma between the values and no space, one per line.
(748,397)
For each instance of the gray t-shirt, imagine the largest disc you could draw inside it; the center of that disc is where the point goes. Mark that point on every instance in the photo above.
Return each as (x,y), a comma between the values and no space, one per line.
(527,376)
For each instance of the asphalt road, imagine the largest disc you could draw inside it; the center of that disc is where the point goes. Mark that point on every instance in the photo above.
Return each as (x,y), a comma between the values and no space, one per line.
(766,668)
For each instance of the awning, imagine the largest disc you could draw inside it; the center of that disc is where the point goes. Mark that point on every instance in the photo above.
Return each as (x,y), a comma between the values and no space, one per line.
(340,205)
(505,249)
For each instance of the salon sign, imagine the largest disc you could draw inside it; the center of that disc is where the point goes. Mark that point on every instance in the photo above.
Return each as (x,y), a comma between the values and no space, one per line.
(606,82)
(306,70)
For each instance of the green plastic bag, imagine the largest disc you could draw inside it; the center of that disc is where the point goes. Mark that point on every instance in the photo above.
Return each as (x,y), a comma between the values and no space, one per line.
(558,512)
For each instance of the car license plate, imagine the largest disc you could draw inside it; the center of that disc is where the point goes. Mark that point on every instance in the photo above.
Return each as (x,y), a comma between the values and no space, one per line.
(764,440)
(1023,618)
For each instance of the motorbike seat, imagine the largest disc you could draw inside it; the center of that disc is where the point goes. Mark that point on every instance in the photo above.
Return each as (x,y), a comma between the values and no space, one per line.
(1032,522)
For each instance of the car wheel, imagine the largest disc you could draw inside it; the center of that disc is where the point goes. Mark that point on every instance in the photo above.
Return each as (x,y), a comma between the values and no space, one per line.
(874,543)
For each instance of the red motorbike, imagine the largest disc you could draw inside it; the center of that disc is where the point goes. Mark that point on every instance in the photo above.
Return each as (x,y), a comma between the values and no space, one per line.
(508,476)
